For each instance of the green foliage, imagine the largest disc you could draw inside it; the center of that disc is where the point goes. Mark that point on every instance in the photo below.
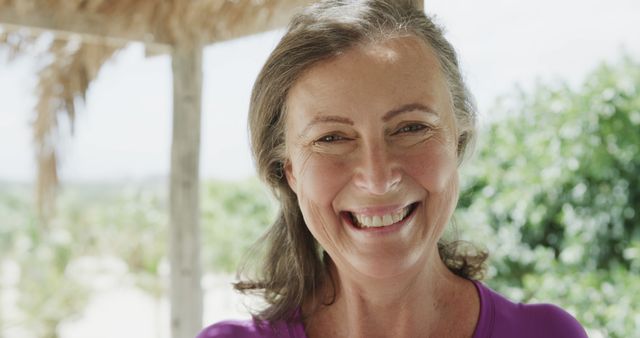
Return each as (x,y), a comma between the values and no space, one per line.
(554,193)
(132,224)
(234,215)
(603,301)
(129,223)
(48,294)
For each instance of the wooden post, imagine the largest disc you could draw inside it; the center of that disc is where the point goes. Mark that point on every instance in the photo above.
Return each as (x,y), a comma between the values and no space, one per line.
(184,213)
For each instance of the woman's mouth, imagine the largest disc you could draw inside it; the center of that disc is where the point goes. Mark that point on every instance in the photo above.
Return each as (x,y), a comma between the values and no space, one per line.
(379,221)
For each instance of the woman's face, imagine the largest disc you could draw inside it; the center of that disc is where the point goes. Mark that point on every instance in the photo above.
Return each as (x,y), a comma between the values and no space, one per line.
(371,145)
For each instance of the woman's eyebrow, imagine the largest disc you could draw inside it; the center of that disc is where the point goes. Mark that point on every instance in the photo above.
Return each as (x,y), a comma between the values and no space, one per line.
(408,108)
(389,115)
(324,118)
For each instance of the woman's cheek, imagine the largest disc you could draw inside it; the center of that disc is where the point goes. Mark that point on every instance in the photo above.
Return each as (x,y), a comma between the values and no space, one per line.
(322,178)
(433,168)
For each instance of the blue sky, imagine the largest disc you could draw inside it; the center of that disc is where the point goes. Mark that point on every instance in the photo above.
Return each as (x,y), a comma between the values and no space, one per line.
(124,130)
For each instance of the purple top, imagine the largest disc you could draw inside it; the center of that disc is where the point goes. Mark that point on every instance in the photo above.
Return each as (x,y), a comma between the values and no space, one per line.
(499,318)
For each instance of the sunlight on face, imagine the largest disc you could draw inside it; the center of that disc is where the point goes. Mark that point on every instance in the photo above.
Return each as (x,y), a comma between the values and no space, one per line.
(371,144)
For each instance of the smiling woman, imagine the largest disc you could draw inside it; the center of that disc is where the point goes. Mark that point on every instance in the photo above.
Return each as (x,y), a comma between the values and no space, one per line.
(359,121)
(386,152)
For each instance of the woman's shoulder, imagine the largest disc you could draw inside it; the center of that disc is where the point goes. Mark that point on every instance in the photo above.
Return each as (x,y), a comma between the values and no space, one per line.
(251,329)
(230,328)
(501,317)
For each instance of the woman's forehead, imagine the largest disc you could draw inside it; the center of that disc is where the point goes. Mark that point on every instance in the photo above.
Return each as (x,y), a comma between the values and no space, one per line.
(400,69)
(394,51)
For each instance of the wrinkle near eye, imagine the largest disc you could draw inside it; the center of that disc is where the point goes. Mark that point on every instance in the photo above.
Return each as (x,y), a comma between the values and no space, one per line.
(337,148)
(413,139)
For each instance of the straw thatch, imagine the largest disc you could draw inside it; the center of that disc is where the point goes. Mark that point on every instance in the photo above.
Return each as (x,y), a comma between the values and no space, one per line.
(62,84)
(88,32)
(161,21)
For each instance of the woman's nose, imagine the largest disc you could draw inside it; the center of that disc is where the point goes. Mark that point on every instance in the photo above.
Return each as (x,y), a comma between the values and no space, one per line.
(377,171)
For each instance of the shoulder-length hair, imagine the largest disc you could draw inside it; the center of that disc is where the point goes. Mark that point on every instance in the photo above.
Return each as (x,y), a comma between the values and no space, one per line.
(293,266)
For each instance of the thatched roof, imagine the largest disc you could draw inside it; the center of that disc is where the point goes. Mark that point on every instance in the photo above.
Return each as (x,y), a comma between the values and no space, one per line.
(89,32)
(153,21)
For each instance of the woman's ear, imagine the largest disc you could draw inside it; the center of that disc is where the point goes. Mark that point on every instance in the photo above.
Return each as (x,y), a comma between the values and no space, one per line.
(288,173)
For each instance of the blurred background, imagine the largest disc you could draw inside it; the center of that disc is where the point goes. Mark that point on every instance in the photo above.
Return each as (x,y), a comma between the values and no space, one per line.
(552,190)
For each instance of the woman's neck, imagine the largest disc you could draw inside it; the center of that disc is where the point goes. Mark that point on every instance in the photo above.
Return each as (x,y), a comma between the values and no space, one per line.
(421,303)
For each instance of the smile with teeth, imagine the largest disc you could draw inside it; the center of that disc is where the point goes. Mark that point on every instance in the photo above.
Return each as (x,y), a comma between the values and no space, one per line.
(365,221)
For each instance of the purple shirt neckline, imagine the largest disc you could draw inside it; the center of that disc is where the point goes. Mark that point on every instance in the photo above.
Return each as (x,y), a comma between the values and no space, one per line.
(498,318)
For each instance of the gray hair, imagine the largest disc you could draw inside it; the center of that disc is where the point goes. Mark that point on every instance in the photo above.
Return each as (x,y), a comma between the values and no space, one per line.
(293,266)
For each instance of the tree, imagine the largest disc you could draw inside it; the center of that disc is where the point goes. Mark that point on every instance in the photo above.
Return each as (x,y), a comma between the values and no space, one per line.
(556,183)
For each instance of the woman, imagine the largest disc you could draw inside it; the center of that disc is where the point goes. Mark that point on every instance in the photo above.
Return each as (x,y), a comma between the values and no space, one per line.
(359,121)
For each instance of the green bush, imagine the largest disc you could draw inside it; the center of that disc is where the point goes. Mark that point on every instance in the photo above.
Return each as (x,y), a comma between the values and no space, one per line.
(554,194)
(234,215)
(47,293)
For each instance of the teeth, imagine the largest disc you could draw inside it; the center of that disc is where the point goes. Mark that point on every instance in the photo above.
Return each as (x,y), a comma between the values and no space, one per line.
(387,219)
(380,221)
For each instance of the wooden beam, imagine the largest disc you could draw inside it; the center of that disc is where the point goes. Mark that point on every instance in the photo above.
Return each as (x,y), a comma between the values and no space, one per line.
(186,291)
(90,27)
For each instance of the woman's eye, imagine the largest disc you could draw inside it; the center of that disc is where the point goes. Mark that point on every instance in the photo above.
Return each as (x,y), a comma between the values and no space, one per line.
(411,128)
(330,139)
